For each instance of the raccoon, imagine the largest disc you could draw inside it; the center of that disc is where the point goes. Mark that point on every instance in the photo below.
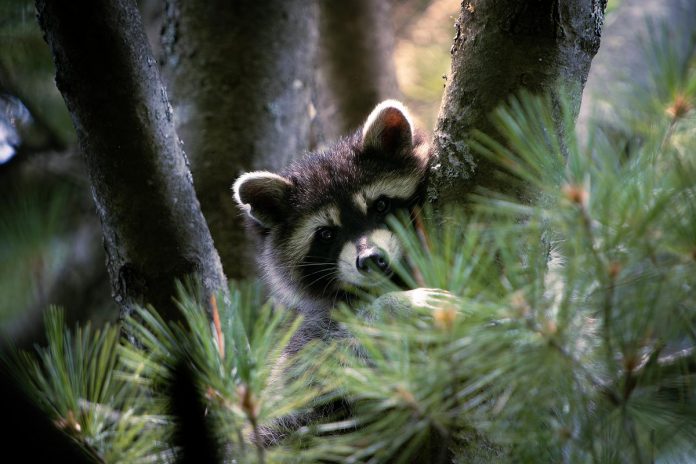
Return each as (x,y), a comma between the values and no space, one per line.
(320,224)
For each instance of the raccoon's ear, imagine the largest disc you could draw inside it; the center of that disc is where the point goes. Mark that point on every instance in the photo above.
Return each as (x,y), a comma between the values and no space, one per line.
(263,196)
(389,128)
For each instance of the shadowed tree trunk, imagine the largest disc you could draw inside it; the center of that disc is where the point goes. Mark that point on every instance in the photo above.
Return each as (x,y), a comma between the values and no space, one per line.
(622,64)
(154,231)
(240,75)
(356,66)
(501,47)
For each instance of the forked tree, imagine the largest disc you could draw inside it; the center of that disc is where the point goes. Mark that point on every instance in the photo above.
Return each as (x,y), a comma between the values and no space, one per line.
(153,224)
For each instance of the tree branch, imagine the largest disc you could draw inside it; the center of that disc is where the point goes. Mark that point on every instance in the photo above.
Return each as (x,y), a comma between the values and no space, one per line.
(501,47)
(153,228)
(240,75)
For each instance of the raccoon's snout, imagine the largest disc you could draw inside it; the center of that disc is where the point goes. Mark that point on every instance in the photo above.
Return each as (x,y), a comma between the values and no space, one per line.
(367,260)
(373,257)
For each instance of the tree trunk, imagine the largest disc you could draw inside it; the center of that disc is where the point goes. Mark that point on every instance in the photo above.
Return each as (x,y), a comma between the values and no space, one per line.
(501,47)
(154,231)
(240,76)
(622,66)
(356,66)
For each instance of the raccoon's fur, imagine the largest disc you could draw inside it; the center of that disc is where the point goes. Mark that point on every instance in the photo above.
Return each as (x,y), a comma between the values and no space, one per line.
(320,224)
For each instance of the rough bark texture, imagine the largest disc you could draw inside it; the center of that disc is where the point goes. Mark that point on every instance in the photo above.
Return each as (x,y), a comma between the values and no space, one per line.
(356,66)
(501,47)
(154,231)
(240,75)
(622,68)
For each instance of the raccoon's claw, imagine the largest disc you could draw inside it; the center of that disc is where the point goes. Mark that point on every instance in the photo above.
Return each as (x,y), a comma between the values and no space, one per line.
(394,303)
(430,298)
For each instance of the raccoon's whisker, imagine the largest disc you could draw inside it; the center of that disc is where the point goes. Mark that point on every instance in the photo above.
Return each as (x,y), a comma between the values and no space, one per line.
(333,279)
(334,300)
(329,282)
(332,274)
(312,264)
(327,271)
(319,259)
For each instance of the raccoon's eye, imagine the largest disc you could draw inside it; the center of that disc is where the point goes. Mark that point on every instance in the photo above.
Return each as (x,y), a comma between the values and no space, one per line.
(326,234)
(382,205)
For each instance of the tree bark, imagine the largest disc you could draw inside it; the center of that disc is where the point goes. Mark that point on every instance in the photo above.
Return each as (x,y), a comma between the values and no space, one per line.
(356,66)
(622,67)
(240,75)
(501,47)
(154,231)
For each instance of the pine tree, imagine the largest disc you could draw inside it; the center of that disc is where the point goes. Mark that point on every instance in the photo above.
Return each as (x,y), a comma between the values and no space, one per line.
(564,330)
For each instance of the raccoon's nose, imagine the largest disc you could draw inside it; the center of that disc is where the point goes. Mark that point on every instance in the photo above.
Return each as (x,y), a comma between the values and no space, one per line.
(372,257)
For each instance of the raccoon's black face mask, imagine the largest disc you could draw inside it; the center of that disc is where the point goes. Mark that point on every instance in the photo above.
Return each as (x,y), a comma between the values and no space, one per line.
(321,222)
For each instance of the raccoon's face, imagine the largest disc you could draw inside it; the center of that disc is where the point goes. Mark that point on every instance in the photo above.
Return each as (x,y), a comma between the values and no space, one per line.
(322,223)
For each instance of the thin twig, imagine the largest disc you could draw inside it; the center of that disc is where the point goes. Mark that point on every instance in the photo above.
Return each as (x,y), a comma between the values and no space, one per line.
(218,326)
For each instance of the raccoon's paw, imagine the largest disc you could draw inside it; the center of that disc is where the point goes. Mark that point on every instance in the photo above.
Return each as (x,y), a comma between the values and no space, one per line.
(402,303)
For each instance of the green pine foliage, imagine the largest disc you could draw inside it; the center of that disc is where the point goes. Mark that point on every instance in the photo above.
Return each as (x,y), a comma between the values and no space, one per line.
(75,380)
(561,330)
(232,365)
